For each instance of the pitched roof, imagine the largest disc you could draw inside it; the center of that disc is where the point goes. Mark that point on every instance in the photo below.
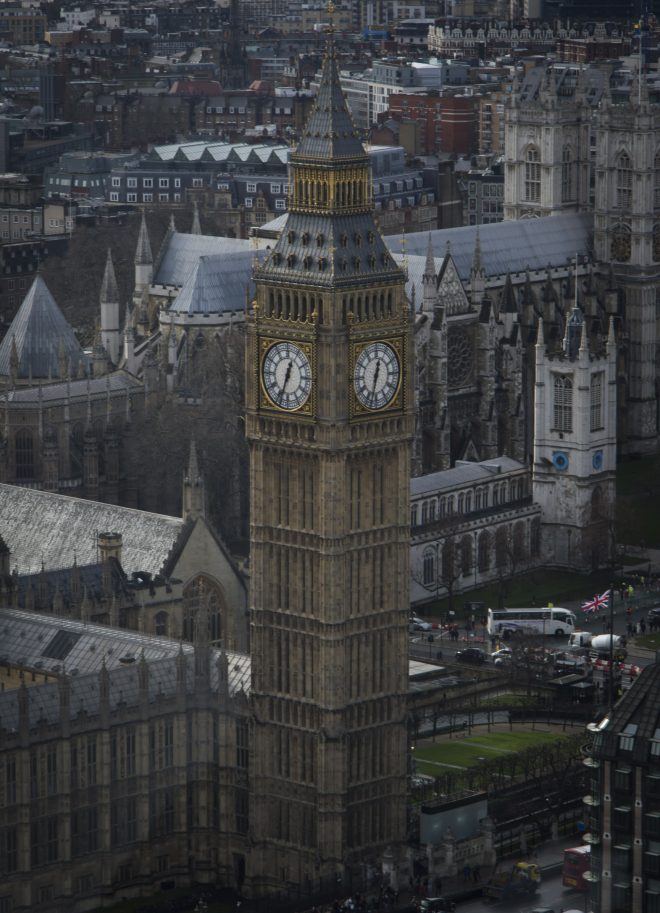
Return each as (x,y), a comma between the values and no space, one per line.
(463,474)
(329,134)
(42,338)
(215,285)
(181,252)
(42,527)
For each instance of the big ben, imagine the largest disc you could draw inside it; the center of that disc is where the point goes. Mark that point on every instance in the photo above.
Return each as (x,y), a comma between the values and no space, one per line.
(329,424)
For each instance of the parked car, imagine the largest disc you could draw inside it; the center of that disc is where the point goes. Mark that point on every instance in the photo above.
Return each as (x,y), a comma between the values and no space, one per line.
(418,624)
(472,655)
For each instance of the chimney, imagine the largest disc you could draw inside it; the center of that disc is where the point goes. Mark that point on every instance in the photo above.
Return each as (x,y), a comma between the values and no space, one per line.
(109,546)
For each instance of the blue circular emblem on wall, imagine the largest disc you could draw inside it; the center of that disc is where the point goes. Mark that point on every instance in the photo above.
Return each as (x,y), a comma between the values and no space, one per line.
(560,460)
(597,459)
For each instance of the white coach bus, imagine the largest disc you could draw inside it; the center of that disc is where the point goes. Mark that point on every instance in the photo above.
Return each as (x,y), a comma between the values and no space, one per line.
(506,623)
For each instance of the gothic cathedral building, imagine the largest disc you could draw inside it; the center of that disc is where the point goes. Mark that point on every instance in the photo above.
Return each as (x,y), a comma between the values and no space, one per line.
(329,423)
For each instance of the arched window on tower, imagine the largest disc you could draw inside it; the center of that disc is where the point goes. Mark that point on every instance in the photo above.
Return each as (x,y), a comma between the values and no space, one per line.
(596,401)
(532,175)
(203,595)
(620,246)
(562,386)
(24,445)
(623,181)
(567,168)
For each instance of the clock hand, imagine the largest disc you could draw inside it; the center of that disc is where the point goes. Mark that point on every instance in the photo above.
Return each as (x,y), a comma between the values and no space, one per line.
(287,375)
(376,373)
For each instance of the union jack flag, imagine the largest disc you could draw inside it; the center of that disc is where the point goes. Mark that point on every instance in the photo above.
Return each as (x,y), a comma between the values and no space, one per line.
(597,603)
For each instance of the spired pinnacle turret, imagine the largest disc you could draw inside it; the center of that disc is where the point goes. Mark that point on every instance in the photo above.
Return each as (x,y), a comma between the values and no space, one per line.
(331,238)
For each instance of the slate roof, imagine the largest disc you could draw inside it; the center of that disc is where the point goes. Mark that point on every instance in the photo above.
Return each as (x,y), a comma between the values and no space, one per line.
(463,474)
(329,133)
(216,284)
(82,649)
(506,247)
(183,251)
(330,251)
(39,526)
(41,334)
(97,387)
(91,577)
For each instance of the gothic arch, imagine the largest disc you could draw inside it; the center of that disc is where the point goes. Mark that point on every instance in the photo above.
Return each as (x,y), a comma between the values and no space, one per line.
(623,178)
(532,174)
(203,593)
(620,247)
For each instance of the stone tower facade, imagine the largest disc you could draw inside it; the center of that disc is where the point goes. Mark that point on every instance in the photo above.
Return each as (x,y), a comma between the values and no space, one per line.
(329,424)
(627,235)
(575,446)
(588,140)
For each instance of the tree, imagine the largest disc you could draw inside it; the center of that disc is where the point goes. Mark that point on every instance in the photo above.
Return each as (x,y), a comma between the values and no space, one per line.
(510,553)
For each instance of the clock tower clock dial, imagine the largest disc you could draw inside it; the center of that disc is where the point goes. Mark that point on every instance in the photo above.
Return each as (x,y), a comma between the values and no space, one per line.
(377,375)
(329,356)
(287,375)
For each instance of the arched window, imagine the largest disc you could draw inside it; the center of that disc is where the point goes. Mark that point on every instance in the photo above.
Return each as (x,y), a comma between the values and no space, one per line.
(467,560)
(623,181)
(535,538)
(432,509)
(413,515)
(496,495)
(620,245)
(483,556)
(532,175)
(501,546)
(563,402)
(567,191)
(468,502)
(443,507)
(450,505)
(160,623)
(477,499)
(428,567)
(202,595)
(596,401)
(519,551)
(24,454)
(461,502)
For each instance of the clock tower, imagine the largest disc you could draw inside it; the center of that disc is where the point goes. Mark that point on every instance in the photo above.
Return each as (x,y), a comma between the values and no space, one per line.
(329,424)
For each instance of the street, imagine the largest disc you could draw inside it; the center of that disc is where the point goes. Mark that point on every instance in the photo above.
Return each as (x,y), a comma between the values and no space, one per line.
(551,894)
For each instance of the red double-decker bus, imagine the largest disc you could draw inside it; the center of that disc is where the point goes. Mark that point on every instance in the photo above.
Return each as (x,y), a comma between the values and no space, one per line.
(577,861)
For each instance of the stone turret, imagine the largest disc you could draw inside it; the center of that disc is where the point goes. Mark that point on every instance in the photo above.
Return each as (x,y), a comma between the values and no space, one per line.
(109,300)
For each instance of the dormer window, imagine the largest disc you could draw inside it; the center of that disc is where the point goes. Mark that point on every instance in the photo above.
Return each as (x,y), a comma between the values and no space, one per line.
(291,237)
(372,261)
(342,265)
(356,262)
(305,238)
(343,240)
(307,262)
(291,259)
(319,240)
(370,237)
(277,258)
(322,263)
(358,240)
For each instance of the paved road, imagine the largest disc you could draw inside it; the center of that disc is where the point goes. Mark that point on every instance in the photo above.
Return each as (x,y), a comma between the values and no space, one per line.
(551,894)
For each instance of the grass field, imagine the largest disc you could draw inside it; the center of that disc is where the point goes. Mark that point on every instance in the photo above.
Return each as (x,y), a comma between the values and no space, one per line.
(650,641)
(461,753)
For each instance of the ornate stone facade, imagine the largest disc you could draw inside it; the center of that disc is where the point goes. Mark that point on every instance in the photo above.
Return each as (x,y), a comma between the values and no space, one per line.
(329,423)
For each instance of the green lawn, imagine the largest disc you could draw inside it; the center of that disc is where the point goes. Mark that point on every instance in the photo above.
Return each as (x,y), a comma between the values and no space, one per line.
(442,757)
(650,641)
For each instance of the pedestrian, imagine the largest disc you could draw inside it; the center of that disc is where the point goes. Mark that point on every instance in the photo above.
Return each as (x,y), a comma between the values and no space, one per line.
(642,625)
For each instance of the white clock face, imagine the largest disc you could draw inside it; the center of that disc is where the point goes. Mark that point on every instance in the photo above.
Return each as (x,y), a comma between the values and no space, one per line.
(377,375)
(287,375)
